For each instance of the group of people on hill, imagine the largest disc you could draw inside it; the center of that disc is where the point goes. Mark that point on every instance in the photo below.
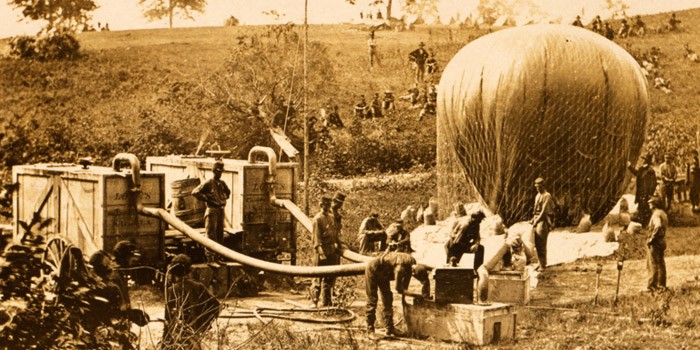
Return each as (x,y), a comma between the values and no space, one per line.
(627,28)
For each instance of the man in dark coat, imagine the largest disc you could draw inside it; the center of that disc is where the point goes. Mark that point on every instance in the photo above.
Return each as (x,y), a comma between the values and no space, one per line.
(646,186)
(371,231)
(466,238)
(190,308)
(326,245)
(378,275)
(656,245)
(214,192)
(418,58)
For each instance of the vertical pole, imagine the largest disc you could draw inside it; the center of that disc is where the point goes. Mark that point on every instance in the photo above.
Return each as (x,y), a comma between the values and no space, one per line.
(617,288)
(598,270)
(306,114)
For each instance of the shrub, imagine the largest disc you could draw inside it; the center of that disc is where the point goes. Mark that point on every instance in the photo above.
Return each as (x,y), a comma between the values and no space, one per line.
(22,46)
(61,46)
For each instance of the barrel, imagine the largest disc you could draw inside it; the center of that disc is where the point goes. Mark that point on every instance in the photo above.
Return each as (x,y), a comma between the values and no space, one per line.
(185,207)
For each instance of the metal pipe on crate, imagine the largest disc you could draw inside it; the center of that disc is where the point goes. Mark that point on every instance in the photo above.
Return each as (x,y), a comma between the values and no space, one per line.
(288,204)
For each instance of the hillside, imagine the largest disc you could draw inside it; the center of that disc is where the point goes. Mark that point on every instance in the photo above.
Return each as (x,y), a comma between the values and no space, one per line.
(154,92)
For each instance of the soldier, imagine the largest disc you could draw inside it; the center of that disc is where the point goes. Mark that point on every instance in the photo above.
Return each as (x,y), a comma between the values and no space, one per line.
(214,192)
(398,239)
(372,44)
(656,245)
(361,108)
(673,23)
(417,57)
(378,275)
(465,238)
(336,205)
(624,29)
(597,25)
(430,103)
(412,95)
(388,100)
(431,65)
(190,308)
(542,221)
(646,186)
(326,244)
(577,22)
(376,107)
(371,231)
(693,175)
(639,26)
(668,173)
(333,118)
(609,32)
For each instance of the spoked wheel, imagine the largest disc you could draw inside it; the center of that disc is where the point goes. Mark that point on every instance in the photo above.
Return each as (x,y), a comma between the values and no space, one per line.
(64,265)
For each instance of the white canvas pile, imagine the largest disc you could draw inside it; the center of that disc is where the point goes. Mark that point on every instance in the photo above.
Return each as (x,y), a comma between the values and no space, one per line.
(428,241)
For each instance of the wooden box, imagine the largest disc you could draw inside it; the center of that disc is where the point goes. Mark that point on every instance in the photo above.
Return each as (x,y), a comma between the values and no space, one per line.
(463,323)
(509,287)
(91,208)
(454,285)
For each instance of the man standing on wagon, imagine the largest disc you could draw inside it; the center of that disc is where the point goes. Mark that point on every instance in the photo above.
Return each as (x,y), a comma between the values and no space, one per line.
(215,193)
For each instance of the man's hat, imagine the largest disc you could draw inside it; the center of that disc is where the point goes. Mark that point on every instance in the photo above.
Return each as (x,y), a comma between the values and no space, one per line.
(218,165)
(539,181)
(388,92)
(656,201)
(339,197)
(398,221)
(648,157)
(421,44)
(374,214)
(478,215)
(125,248)
(180,265)
(325,200)
(100,263)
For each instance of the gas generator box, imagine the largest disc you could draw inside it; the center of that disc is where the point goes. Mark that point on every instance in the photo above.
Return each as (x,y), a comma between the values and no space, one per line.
(511,287)
(258,226)
(454,285)
(91,208)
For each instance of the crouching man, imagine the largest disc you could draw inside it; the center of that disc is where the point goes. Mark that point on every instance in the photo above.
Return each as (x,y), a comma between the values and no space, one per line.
(379,273)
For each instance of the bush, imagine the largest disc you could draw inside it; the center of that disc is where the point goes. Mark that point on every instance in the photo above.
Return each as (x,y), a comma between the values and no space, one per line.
(22,46)
(51,47)
(57,47)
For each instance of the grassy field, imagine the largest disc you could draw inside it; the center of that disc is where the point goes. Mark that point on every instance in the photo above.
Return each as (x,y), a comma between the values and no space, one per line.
(149,92)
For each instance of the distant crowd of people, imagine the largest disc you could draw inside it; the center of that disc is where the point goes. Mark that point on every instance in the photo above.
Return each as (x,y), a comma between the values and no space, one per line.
(627,28)
(90,28)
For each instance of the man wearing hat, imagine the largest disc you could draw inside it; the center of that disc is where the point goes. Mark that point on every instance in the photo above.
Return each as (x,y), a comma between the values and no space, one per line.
(371,231)
(398,239)
(656,245)
(190,308)
(542,221)
(214,192)
(646,186)
(326,244)
(466,238)
(668,173)
(336,204)
(388,101)
(418,58)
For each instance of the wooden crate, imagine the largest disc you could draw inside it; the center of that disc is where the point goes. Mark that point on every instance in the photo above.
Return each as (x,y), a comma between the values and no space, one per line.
(463,323)
(510,287)
(91,208)
(454,285)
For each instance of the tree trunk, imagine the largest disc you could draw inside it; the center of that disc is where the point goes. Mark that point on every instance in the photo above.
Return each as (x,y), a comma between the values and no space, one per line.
(388,9)
(170,13)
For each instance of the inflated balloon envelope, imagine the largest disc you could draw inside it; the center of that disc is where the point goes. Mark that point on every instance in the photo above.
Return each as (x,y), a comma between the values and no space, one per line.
(552,101)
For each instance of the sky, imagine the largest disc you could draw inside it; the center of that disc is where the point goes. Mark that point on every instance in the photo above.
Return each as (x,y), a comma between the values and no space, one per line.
(126,14)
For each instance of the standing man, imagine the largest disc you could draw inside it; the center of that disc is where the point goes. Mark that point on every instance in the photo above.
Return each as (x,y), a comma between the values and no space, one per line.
(418,58)
(378,275)
(190,308)
(694,180)
(646,186)
(214,192)
(326,242)
(577,22)
(371,231)
(466,238)
(656,245)
(542,221)
(668,174)
(372,44)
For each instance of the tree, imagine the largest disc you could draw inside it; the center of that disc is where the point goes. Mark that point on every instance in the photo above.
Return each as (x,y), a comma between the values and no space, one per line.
(157,9)
(421,8)
(618,8)
(231,21)
(60,14)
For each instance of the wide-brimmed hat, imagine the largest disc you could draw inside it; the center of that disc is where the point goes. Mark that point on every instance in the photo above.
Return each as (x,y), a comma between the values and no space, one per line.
(325,200)
(421,44)
(339,197)
(539,181)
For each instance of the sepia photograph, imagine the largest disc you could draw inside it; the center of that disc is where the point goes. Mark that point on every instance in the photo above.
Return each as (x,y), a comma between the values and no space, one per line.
(349,174)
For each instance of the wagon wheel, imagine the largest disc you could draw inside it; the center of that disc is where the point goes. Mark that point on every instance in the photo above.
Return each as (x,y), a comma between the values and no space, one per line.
(65,265)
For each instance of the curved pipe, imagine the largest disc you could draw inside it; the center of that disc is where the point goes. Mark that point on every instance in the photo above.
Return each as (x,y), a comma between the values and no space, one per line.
(135,175)
(306,271)
(291,206)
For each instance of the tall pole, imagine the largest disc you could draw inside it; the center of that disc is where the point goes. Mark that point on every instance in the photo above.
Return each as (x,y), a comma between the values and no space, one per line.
(306,114)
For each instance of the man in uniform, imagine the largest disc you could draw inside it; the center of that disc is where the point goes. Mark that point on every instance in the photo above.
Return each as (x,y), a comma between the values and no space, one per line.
(379,273)
(326,244)
(656,245)
(376,107)
(646,186)
(542,221)
(371,231)
(465,238)
(190,308)
(214,192)
(388,101)
(668,173)
(361,108)
(418,58)
(372,44)
(398,239)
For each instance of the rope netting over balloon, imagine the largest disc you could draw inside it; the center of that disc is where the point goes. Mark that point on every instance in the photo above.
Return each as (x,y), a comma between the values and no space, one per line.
(551,101)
